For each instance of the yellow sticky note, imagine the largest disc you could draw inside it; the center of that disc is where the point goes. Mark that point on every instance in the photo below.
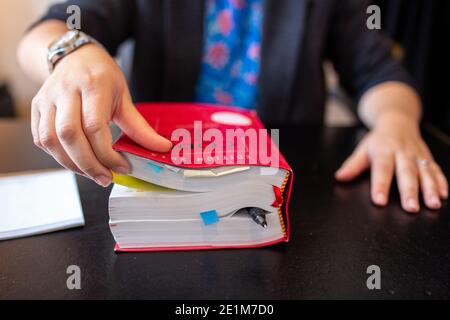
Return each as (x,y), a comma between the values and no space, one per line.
(135,183)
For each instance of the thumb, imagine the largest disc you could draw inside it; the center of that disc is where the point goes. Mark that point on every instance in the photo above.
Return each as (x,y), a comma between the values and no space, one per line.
(131,122)
(354,165)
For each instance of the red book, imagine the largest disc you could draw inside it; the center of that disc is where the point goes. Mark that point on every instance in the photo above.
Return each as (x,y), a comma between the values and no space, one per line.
(223,185)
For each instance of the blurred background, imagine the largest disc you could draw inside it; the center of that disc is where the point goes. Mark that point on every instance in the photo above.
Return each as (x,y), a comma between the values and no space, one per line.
(15,18)
(419,30)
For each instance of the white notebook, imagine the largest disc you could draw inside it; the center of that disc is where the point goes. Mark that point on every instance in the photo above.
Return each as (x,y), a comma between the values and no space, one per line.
(38,202)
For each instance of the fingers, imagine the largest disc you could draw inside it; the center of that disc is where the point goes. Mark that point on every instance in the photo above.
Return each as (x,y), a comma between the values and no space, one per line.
(48,139)
(412,175)
(441,181)
(96,113)
(70,134)
(408,182)
(429,187)
(74,130)
(433,183)
(134,126)
(35,118)
(82,95)
(354,165)
(382,172)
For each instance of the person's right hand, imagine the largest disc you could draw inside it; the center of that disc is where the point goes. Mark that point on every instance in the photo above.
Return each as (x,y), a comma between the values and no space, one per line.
(72,110)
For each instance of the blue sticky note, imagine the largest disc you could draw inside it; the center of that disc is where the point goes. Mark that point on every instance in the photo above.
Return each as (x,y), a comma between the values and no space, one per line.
(155,168)
(209,217)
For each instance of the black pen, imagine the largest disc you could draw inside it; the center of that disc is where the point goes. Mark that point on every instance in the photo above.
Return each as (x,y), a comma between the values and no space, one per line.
(258,215)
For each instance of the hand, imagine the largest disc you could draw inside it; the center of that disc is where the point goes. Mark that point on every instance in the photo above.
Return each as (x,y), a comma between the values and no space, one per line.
(72,110)
(395,145)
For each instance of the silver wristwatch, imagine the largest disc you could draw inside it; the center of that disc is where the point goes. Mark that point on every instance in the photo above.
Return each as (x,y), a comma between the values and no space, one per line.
(69,42)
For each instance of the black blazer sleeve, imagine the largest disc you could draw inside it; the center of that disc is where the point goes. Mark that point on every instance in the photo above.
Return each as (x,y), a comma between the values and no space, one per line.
(362,57)
(108,21)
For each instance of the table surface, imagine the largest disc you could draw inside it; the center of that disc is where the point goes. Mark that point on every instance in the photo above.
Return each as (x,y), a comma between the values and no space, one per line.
(336,234)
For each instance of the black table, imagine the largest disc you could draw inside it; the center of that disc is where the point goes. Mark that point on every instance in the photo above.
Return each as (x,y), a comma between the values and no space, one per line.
(336,235)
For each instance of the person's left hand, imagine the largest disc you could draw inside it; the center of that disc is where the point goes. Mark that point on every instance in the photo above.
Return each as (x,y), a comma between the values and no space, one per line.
(396,146)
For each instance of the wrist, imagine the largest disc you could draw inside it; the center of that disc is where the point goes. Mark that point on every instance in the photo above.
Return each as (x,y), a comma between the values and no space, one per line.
(82,54)
(390,101)
(395,120)
(70,42)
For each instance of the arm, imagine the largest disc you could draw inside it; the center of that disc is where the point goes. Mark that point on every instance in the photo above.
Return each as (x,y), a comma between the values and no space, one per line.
(72,110)
(108,21)
(38,42)
(391,108)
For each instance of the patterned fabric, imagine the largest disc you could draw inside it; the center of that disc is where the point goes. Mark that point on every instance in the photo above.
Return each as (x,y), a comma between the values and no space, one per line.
(231,54)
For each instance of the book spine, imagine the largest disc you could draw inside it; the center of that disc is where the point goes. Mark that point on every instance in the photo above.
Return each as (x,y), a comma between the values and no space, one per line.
(280,212)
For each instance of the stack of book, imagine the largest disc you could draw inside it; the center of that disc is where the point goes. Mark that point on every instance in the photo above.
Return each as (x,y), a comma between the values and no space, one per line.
(224,184)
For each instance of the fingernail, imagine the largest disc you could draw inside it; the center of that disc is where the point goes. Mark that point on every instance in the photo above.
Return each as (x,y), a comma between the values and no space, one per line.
(413,205)
(435,202)
(380,199)
(121,170)
(103,181)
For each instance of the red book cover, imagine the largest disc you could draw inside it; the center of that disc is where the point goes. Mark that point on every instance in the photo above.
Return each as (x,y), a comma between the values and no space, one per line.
(203,122)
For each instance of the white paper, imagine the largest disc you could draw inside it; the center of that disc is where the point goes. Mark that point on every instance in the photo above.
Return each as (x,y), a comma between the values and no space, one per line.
(38,203)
